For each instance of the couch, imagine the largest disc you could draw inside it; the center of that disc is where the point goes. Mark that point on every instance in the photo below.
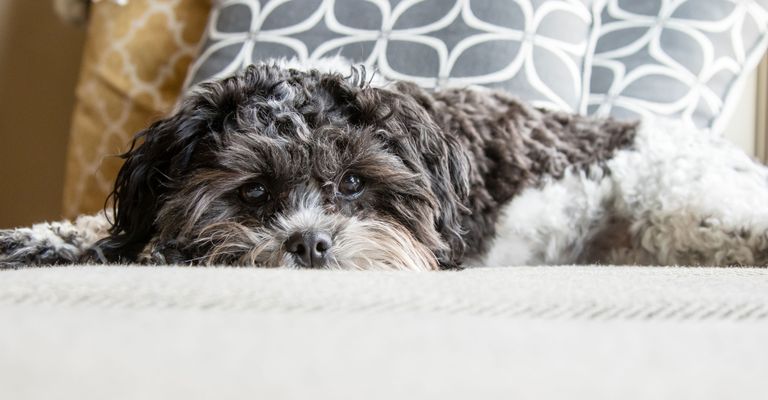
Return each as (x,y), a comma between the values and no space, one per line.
(567,332)
(593,332)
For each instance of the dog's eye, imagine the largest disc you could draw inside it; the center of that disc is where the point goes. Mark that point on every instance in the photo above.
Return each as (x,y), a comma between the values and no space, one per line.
(254,193)
(350,185)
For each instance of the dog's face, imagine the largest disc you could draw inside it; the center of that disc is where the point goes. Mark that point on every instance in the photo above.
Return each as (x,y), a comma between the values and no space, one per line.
(278,167)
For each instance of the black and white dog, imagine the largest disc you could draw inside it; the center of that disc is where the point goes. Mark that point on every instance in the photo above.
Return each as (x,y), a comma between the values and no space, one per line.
(277,167)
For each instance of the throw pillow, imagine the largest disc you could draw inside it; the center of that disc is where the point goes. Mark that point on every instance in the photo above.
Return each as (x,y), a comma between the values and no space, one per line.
(532,48)
(681,59)
(134,63)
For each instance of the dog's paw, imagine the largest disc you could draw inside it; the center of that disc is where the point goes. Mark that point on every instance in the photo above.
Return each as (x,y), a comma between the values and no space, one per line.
(36,246)
(164,253)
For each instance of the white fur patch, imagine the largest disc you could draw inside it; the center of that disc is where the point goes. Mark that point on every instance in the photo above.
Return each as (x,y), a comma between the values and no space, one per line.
(689,199)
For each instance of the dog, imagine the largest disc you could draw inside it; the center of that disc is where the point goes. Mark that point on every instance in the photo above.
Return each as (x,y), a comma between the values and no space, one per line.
(281,167)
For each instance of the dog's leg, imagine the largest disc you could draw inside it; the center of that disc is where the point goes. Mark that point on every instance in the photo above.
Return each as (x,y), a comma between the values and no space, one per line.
(51,243)
(552,224)
(692,200)
(718,217)
(675,198)
(707,239)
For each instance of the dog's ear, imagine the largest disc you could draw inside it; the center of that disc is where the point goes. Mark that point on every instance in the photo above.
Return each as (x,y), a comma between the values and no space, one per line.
(161,155)
(408,109)
(158,156)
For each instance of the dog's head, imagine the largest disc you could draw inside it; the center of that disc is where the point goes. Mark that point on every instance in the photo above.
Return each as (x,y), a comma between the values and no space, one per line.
(278,167)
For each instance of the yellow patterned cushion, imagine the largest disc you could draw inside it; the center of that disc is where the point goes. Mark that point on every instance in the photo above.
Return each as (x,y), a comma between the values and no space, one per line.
(135,60)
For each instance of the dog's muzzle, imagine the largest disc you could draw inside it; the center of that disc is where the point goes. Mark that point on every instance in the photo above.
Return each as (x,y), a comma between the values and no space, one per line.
(310,249)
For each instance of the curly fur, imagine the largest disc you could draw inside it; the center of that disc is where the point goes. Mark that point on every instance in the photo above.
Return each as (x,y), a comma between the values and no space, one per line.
(51,243)
(451,178)
(300,133)
(674,198)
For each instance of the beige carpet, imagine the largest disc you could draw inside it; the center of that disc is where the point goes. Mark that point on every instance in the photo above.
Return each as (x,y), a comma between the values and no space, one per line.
(515,333)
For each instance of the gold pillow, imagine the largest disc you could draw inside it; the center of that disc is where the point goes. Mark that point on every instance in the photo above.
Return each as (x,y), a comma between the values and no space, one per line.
(134,64)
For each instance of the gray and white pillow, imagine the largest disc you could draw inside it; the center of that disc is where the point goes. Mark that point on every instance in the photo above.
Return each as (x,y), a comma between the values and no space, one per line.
(683,59)
(626,58)
(533,48)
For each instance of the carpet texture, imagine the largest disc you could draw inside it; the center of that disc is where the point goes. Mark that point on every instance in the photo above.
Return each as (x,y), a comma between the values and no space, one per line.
(539,333)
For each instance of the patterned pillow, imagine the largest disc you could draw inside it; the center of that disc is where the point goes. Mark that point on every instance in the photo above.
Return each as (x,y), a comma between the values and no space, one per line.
(533,48)
(134,63)
(683,59)
(678,58)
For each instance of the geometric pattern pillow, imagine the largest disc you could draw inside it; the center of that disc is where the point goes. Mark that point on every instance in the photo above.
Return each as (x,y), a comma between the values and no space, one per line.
(533,48)
(682,59)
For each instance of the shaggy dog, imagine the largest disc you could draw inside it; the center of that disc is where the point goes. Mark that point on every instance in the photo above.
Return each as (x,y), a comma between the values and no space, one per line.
(279,167)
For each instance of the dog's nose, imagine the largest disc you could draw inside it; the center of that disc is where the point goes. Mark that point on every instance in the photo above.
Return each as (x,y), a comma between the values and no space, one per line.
(310,249)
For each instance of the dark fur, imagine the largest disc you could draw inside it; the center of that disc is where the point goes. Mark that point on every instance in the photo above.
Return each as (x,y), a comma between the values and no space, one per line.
(438,165)
(513,146)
